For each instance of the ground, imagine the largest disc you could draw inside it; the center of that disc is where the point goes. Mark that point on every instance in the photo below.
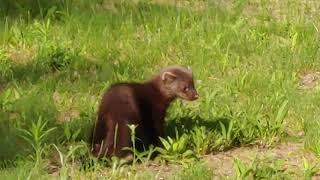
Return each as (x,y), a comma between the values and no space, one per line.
(292,155)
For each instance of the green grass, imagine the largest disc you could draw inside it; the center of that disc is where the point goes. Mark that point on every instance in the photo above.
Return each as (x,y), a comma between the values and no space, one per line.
(57,58)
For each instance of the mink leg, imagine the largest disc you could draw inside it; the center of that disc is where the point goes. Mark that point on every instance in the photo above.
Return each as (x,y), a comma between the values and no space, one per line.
(106,148)
(123,140)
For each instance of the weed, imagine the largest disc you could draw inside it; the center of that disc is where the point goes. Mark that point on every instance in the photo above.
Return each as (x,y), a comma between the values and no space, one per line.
(5,65)
(65,158)
(70,135)
(226,134)
(198,170)
(201,140)
(242,170)
(35,137)
(258,169)
(309,170)
(176,150)
(133,140)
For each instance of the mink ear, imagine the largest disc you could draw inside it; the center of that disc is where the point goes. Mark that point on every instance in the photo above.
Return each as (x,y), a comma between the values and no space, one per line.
(168,77)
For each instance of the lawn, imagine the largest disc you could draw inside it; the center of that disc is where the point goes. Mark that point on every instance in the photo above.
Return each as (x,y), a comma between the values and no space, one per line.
(256,65)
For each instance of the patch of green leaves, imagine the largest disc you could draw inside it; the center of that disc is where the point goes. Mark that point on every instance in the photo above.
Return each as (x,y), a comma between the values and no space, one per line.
(176,150)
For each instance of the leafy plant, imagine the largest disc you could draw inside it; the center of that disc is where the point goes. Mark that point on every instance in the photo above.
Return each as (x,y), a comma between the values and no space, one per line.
(176,150)
(132,128)
(5,65)
(35,137)
(197,170)
(242,170)
(309,170)
(69,134)
(65,158)
(226,135)
(8,98)
(59,58)
(258,169)
(278,122)
(201,140)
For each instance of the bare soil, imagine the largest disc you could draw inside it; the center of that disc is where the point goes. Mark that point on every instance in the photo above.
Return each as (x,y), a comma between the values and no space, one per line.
(291,154)
(309,80)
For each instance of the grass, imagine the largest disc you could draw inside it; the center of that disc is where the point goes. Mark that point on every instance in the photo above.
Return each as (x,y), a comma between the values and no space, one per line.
(58,57)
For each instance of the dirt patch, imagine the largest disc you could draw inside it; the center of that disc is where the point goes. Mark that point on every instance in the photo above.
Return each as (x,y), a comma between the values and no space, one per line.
(158,170)
(276,9)
(67,107)
(66,116)
(21,56)
(292,155)
(196,5)
(309,80)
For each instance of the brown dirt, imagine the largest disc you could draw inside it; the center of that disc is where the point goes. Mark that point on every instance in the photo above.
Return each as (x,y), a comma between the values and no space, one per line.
(67,107)
(309,80)
(292,155)
(160,171)
(21,56)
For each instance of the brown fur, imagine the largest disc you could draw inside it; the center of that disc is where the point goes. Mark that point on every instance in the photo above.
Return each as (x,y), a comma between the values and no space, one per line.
(142,104)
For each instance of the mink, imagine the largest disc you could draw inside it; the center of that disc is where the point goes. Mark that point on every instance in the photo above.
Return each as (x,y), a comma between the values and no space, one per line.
(142,104)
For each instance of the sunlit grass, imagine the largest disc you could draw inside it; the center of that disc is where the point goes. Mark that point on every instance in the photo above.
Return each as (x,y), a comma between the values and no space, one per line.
(55,63)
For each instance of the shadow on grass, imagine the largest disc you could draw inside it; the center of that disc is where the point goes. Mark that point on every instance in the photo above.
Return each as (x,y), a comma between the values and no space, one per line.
(119,11)
(14,147)
(11,145)
(222,139)
(31,8)
(48,70)
(187,124)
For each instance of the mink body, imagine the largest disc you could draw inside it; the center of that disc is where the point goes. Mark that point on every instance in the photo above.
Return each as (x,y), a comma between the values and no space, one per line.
(143,104)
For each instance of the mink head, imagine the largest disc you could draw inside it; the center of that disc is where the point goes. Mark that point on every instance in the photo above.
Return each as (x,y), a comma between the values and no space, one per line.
(178,82)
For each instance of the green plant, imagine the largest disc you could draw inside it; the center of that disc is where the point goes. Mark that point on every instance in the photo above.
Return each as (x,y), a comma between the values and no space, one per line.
(35,137)
(176,150)
(139,156)
(59,58)
(8,98)
(309,170)
(201,139)
(132,128)
(69,134)
(146,155)
(226,135)
(243,171)
(263,169)
(65,158)
(5,65)
(280,116)
(259,169)
(197,170)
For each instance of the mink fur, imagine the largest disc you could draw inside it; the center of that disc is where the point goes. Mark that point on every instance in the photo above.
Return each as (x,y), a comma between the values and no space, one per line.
(143,104)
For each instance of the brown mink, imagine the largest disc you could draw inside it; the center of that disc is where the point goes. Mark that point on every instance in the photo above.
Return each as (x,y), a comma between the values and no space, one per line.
(143,104)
